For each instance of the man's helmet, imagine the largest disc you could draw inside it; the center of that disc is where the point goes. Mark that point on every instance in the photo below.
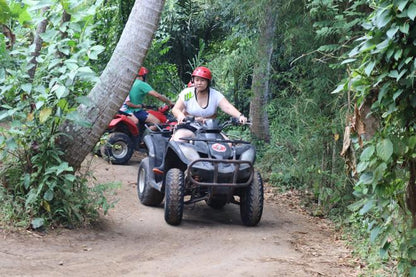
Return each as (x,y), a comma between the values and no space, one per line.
(202,72)
(143,71)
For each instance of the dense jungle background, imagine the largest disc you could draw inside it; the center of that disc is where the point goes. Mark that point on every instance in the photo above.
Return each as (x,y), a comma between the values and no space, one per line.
(328,85)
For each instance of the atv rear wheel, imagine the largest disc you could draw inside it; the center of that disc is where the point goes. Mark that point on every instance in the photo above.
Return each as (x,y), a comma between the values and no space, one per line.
(118,148)
(174,190)
(251,201)
(148,195)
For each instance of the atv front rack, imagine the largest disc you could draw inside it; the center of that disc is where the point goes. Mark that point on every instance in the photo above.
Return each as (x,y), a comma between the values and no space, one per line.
(215,174)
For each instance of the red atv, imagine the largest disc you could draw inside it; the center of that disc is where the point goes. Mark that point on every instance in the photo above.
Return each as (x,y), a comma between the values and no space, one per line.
(124,136)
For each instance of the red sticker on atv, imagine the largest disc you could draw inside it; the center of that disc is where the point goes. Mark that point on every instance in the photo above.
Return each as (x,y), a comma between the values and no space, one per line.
(218,147)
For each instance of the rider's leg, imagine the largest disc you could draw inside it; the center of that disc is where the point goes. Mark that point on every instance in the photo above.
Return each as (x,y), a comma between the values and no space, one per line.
(182,133)
(152,119)
(133,118)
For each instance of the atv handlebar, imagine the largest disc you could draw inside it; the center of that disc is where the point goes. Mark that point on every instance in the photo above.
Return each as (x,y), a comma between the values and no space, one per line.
(209,125)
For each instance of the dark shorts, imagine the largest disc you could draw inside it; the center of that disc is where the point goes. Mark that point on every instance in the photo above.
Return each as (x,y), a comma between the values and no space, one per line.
(141,115)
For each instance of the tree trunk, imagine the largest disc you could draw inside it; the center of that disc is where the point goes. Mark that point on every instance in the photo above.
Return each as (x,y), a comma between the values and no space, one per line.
(109,93)
(40,29)
(261,78)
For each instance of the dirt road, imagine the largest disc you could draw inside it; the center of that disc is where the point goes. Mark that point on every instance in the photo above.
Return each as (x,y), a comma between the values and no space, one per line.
(134,240)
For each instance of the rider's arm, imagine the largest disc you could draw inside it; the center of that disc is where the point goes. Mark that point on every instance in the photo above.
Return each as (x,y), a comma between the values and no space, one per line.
(160,97)
(131,105)
(178,110)
(228,108)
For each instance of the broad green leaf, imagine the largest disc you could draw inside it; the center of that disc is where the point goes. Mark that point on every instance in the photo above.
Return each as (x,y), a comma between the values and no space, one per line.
(44,114)
(367,153)
(39,104)
(354,52)
(60,90)
(71,64)
(398,54)
(54,63)
(384,249)
(95,51)
(64,167)
(48,196)
(59,169)
(392,108)
(369,68)
(374,233)
(356,205)
(11,144)
(383,18)
(402,4)
(84,100)
(5,13)
(366,178)
(362,166)
(348,61)
(49,36)
(393,30)
(70,177)
(26,87)
(37,222)
(393,74)
(26,181)
(385,149)
(378,173)
(412,142)
(405,28)
(368,206)
(411,11)
(397,94)
(338,89)
(412,271)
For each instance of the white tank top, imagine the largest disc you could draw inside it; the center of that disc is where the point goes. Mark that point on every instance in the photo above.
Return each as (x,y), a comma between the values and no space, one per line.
(188,96)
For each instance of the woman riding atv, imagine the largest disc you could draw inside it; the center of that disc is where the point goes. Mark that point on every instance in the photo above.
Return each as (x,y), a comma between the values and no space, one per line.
(201,101)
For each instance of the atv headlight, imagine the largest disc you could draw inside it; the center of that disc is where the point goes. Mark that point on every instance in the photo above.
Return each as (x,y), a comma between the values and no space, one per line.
(189,152)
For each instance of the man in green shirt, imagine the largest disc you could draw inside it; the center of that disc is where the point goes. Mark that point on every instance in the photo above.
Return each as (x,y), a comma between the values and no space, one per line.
(137,93)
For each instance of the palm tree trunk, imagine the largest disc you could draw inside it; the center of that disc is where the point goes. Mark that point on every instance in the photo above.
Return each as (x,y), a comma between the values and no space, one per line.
(109,93)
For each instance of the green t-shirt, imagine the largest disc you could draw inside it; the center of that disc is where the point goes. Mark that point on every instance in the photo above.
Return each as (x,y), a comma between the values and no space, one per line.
(137,93)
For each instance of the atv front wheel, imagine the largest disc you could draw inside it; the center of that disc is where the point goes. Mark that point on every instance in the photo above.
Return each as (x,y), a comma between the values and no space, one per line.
(251,201)
(148,195)
(174,190)
(118,148)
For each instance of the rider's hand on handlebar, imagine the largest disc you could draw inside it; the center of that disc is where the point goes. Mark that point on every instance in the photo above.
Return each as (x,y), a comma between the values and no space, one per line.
(181,118)
(242,119)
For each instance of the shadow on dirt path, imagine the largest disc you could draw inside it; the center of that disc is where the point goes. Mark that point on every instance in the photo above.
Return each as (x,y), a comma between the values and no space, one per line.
(134,240)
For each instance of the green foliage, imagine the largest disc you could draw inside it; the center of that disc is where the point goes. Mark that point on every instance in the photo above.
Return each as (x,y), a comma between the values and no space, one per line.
(385,78)
(38,187)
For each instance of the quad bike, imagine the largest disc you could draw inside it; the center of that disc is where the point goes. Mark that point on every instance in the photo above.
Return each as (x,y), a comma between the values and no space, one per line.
(123,136)
(207,167)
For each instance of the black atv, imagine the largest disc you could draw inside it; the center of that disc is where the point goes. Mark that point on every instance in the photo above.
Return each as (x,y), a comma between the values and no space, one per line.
(206,167)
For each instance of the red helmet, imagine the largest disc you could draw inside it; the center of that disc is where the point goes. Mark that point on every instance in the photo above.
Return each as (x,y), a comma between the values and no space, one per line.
(190,84)
(202,72)
(143,71)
